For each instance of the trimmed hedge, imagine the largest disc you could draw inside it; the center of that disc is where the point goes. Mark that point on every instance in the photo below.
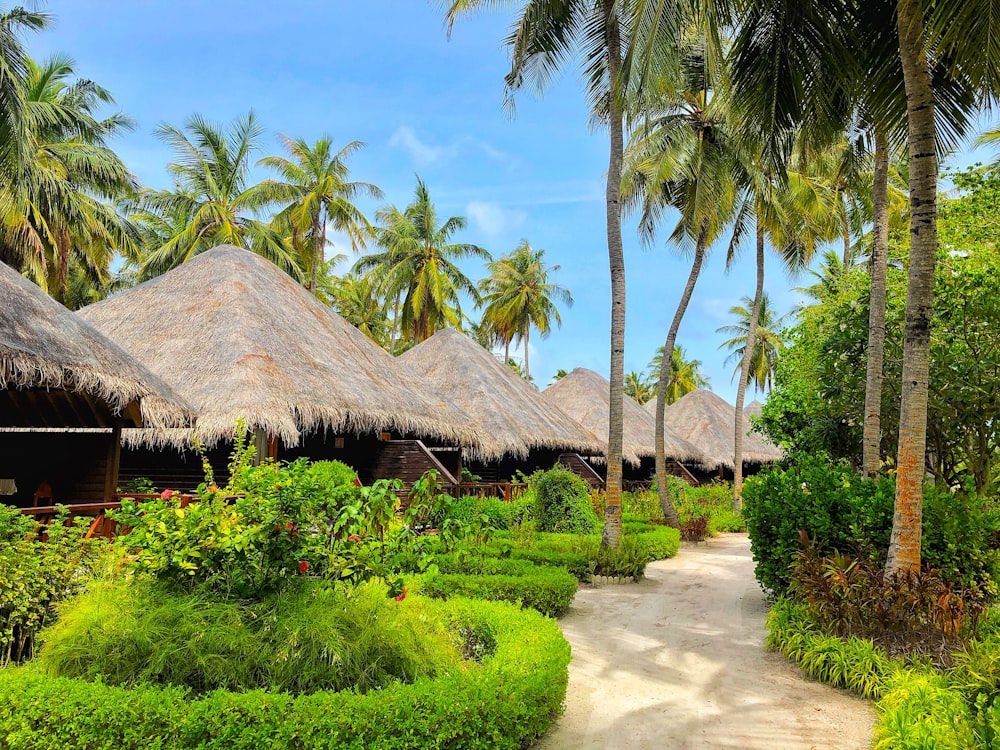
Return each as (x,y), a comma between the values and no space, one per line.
(548,590)
(504,702)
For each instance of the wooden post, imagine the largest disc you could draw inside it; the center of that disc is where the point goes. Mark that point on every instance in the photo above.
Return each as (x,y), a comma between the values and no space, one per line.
(260,444)
(272,447)
(112,464)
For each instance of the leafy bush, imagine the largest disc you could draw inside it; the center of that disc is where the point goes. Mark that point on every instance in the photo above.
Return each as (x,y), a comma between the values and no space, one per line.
(39,567)
(711,502)
(502,703)
(546,589)
(958,536)
(911,612)
(836,507)
(659,541)
(306,638)
(563,502)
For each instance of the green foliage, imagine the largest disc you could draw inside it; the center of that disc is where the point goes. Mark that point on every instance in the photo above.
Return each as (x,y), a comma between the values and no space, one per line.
(549,590)
(305,638)
(711,502)
(910,612)
(501,703)
(959,529)
(836,508)
(39,567)
(563,502)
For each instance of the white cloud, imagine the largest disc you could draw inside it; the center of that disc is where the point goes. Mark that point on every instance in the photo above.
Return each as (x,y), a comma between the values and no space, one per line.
(422,153)
(493,219)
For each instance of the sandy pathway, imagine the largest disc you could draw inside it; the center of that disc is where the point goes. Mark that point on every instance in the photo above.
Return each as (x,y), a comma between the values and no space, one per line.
(678,661)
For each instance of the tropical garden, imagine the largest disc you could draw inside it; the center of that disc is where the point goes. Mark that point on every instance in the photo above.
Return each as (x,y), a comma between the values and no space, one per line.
(293,608)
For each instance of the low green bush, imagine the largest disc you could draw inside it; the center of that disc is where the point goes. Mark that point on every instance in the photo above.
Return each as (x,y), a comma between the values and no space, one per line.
(563,502)
(661,542)
(308,637)
(502,702)
(546,589)
(917,707)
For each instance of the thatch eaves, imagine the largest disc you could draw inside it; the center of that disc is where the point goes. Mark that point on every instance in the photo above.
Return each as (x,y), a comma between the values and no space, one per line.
(706,420)
(511,411)
(241,340)
(44,346)
(585,396)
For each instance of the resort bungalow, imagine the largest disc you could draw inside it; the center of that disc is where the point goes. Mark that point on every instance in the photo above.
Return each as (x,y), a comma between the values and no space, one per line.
(525,431)
(706,420)
(241,340)
(67,393)
(585,396)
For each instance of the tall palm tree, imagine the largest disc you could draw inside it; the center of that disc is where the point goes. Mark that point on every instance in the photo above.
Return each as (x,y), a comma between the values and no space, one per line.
(685,374)
(14,63)
(767,343)
(214,202)
(417,268)
(680,158)
(315,181)
(602,34)
(518,296)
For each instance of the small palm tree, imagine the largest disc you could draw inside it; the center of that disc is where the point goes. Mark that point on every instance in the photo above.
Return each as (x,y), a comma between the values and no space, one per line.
(518,297)
(686,375)
(417,268)
(315,182)
(357,300)
(639,387)
(213,202)
(767,342)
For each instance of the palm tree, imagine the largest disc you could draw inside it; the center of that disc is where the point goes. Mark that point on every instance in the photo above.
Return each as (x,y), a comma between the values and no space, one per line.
(685,374)
(14,63)
(356,299)
(560,374)
(417,268)
(315,180)
(60,209)
(767,343)
(680,158)
(639,387)
(213,202)
(518,297)
(602,34)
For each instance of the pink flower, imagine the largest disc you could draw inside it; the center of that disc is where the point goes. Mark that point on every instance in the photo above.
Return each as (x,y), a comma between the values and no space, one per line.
(166,494)
(303,566)
(354,538)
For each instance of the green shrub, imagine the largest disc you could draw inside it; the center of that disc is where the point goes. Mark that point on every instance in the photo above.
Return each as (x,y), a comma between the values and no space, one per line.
(837,508)
(548,590)
(578,564)
(563,502)
(36,573)
(502,703)
(957,538)
(306,638)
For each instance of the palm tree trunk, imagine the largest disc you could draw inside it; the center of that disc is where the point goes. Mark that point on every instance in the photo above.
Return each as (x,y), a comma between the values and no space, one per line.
(506,352)
(741,388)
(527,372)
(62,284)
(872,437)
(666,372)
(904,545)
(846,231)
(319,244)
(395,324)
(616,263)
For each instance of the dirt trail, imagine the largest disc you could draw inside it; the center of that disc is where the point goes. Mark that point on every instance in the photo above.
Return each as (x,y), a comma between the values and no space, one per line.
(678,661)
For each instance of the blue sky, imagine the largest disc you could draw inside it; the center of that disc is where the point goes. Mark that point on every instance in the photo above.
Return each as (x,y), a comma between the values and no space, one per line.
(384,72)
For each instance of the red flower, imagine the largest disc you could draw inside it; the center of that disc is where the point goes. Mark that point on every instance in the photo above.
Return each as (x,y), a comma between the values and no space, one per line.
(354,538)
(401,596)
(303,566)
(166,494)
(289,525)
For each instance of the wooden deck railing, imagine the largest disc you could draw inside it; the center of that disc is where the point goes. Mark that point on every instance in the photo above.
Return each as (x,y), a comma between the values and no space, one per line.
(506,491)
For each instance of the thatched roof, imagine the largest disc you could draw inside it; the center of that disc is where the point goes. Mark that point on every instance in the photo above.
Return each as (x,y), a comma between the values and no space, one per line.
(45,347)
(585,396)
(754,409)
(708,421)
(240,339)
(511,411)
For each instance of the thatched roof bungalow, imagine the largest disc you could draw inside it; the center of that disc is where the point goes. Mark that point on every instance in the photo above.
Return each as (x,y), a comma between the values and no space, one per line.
(67,390)
(707,421)
(585,396)
(241,340)
(520,423)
